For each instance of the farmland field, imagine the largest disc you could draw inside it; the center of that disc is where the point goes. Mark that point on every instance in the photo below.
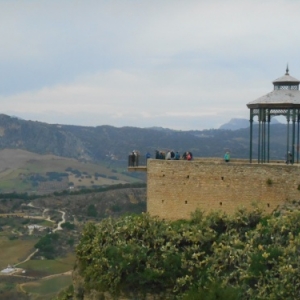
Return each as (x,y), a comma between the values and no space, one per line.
(47,267)
(14,251)
(47,288)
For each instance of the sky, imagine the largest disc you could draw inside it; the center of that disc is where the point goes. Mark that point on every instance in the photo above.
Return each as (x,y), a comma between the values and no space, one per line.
(184,65)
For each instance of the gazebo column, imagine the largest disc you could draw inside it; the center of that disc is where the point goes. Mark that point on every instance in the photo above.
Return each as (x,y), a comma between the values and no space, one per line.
(264,136)
(298,135)
(259,136)
(251,133)
(293,135)
(288,134)
(269,120)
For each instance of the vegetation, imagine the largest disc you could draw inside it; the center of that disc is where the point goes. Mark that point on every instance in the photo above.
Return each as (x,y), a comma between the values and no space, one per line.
(91,211)
(56,250)
(68,226)
(46,245)
(269,181)
(48,287)
(246,256)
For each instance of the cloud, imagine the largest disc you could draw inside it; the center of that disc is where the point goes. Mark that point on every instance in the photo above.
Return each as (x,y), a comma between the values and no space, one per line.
(178,64)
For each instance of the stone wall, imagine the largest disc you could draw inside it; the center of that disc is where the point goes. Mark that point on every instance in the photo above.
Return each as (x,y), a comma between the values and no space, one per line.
(175,189)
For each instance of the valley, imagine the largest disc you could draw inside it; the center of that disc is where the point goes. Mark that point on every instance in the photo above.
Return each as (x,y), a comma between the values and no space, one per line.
(45,201)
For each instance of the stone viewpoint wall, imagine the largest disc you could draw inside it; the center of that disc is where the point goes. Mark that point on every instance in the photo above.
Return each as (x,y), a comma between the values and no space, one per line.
(175,189)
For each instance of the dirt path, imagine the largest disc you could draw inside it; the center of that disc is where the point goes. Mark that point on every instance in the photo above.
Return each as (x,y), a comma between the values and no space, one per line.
(28,257)
(63,220)
(63,214)
(56,275)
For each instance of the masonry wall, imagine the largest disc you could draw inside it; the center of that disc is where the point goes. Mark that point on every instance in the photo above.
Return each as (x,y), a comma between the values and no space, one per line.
(175,189)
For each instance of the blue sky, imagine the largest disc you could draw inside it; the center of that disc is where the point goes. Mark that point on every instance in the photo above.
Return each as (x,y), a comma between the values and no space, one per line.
(175,64)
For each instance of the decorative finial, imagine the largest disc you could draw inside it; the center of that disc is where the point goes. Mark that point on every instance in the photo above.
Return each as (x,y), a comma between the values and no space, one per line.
(287,70)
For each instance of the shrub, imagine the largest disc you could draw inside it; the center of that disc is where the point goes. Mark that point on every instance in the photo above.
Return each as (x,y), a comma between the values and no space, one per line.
(269,181)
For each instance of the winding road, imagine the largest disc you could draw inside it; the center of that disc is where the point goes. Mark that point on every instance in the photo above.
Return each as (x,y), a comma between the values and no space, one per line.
(63,214)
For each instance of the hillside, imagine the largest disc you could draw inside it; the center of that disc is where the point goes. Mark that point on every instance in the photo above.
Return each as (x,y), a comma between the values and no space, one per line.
(23,171)
(107,143)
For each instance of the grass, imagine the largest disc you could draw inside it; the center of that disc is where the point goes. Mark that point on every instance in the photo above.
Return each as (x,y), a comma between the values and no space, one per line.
(14,251)
(51,266)
(46,223)
(14,184)
(49,286)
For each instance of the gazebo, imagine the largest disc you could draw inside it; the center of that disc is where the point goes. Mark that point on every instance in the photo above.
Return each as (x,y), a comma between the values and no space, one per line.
(283,100)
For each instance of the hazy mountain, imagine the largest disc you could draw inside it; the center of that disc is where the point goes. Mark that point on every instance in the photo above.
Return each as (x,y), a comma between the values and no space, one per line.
(110,143)
(238,123)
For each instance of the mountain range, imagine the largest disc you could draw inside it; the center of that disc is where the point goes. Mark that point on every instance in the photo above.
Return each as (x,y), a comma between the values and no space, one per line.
(103,143)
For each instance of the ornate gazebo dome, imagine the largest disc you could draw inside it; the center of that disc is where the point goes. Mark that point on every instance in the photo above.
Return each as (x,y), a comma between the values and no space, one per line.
(283,100)
(285,95)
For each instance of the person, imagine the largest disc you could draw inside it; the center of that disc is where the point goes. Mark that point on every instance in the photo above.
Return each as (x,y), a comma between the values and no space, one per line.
(189,156)
(177,155)
(289,159)
(137,156)
(148,155)
(172,154)
(168,155)
(227,156)
(156,154)
(132,158)
(184,155)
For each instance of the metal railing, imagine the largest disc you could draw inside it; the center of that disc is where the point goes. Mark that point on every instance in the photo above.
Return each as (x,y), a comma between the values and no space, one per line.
(136,160)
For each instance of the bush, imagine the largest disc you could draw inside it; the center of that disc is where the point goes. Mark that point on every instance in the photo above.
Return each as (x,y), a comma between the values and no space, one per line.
(214,256)
(68,225)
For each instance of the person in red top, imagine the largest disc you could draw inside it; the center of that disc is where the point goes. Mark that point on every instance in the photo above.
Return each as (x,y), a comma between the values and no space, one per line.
(189,156)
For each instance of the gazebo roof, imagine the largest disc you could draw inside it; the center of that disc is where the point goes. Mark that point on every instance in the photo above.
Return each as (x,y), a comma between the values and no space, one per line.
(285,97)
(277,98)
(286,78)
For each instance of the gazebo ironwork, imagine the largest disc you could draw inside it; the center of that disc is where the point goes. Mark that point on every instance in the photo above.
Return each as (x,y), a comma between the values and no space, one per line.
(283,100)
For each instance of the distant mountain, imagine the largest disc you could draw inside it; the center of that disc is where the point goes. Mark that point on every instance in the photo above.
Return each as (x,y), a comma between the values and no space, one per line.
(108,143)
(236,123)
(160,129)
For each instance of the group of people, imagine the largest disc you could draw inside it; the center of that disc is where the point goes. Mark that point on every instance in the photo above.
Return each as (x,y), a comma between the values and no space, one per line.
(134,156)
(172,155)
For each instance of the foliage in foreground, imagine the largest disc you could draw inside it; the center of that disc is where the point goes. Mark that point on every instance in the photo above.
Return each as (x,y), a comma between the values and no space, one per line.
(215,256)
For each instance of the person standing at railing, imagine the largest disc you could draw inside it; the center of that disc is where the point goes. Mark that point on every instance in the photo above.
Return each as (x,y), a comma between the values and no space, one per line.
(227,156)
(168,155)
(137,156)
(132,158)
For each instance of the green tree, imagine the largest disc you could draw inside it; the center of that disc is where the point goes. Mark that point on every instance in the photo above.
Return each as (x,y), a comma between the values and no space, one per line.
(91,211)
